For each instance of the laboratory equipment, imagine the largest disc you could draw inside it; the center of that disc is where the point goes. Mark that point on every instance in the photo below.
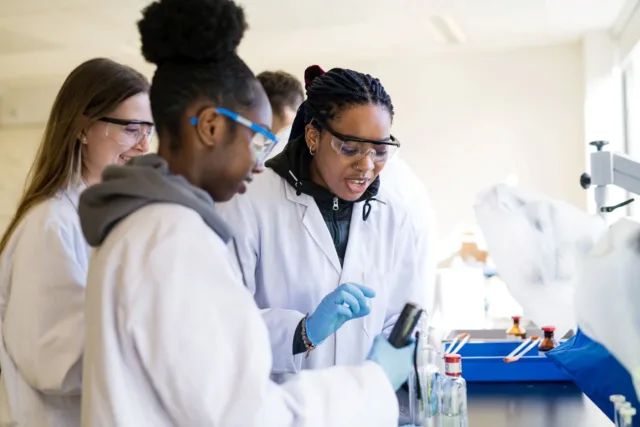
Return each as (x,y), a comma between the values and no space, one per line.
(626,416)
(401,333)
(623,405)
(515,357)
(453,394)
(515,332)
(609,168)
(457,349)
(617,400)
(549,342)
(424,382)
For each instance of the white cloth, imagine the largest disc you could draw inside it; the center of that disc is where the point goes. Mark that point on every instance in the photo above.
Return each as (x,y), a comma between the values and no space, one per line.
(290,263)
(174,339)
(607,295)
(283,138)
(42,283)
(398,178)
(537,244)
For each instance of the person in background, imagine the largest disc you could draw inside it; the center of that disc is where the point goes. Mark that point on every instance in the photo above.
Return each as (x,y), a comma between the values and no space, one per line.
(173,337)
(323,247)
(101,116)
(285,95)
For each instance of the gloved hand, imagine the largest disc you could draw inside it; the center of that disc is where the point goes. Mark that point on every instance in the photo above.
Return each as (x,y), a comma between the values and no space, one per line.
(397,363)
(348,301)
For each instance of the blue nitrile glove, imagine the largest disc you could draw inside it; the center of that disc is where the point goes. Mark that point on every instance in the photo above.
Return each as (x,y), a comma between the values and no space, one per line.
(397,363)
(348,301)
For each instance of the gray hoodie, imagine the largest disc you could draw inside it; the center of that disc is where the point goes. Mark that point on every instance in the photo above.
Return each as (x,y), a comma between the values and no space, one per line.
(143,181)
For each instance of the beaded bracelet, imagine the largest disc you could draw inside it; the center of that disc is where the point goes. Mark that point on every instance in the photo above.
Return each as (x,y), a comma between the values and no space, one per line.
(305,339)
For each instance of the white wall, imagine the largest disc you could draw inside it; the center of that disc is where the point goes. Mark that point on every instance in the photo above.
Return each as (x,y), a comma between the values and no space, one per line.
(18,146)
(467,121)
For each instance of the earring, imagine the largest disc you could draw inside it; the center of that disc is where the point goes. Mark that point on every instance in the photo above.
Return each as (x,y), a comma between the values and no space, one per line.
(311,152)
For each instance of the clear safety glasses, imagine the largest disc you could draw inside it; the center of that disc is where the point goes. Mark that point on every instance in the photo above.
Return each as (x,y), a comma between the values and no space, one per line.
(263,140)
(128,133)
(358,148)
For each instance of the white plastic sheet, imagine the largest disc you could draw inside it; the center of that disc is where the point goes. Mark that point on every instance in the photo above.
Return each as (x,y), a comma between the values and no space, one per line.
(607,299)
(537,244)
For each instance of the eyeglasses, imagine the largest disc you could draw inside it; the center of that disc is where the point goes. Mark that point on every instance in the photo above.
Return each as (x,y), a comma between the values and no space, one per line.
(358,148)
(128,133)
(263,140)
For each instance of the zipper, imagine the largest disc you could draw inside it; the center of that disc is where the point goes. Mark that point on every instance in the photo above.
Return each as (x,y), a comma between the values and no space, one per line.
(335,203)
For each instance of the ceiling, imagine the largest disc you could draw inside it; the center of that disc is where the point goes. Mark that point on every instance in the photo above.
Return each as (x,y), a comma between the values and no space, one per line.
(42,40)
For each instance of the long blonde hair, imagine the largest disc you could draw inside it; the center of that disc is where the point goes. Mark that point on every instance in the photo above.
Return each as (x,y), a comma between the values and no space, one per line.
(91,91)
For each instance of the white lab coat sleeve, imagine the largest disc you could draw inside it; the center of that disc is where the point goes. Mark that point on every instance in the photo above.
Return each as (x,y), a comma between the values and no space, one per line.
(202,342)
(44,333)
(408,284)
(242,216)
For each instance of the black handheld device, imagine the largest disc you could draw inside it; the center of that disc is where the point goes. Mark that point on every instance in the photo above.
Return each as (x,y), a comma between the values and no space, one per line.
(405,325)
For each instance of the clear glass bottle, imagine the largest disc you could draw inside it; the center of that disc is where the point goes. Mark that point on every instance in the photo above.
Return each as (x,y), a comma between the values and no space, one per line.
(515,332)
(549,342)
(424,382)
(453,394)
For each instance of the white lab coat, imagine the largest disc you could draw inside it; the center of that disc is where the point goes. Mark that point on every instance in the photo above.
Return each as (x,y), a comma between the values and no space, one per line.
(290,263)
(174,339)
(398,178)
(42,283)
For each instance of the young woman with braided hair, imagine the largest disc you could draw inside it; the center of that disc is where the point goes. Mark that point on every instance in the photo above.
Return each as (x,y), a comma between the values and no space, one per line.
(327,253)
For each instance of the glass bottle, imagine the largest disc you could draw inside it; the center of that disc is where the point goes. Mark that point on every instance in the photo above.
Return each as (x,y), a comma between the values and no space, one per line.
(549,342)
(453,394)
(424,382)
(515,333)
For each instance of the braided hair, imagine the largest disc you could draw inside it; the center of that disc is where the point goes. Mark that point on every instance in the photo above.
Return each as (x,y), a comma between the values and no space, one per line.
(330,93)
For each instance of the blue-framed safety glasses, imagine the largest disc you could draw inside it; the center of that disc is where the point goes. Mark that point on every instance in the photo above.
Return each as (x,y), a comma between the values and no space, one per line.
(263,140)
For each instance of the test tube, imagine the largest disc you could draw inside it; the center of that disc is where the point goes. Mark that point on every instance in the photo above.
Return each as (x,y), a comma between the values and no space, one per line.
(626,416)
(617,400)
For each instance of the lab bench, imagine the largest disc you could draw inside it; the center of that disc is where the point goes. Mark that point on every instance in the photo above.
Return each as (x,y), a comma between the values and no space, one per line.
(538,404)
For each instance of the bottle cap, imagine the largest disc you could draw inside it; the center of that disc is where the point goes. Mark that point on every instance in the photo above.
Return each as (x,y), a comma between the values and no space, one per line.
(627,412)
(452,358)
(617,398)
(516,317)
(452,365)
(548,328)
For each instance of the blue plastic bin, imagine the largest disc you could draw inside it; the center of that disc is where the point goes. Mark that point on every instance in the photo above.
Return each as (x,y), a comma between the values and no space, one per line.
(483,361)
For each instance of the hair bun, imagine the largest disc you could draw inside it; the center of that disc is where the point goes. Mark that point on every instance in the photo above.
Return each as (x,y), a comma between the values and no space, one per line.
(311,73)
(190,30)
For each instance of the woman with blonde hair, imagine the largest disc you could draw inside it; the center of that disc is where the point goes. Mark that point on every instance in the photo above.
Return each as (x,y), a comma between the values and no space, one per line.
(101,116)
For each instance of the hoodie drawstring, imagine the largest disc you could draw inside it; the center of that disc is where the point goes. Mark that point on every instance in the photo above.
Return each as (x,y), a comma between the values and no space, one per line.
(297,185)
(366,209)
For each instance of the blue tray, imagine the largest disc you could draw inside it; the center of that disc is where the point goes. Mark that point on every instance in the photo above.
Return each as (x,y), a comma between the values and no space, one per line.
(483,361)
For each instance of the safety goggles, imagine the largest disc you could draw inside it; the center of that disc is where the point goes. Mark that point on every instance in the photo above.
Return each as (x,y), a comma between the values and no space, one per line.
(128,133)
(356,149)
(263,140)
